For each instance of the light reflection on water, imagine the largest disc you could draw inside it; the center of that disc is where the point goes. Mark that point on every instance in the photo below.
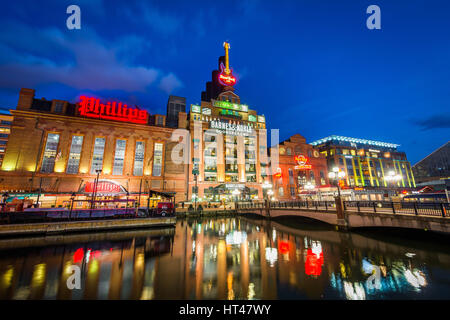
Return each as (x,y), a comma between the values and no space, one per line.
(224,258)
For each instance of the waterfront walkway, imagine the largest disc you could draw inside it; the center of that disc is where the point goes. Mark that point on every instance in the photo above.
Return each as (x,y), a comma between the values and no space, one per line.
(64,227)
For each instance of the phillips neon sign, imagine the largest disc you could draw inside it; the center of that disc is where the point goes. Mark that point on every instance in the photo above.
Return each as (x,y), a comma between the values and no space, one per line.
(118,111)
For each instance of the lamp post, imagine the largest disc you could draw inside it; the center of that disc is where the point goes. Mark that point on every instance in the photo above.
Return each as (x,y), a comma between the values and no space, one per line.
(236,193)
(309,186)
(126,208)
(266,187)
(270,193)
(392,178)
(72,198)
(337,175)
(94,191)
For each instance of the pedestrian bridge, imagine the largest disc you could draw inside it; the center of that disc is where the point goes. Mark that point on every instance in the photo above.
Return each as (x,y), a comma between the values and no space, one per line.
(359,214)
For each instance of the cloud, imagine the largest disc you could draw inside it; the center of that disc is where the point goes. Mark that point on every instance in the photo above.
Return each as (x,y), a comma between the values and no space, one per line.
(434,122)
(162,23)
(169,83)
(83,60)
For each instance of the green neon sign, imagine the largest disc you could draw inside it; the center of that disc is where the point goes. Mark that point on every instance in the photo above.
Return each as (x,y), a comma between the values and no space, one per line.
(195,108)
(230,105)
(251,118)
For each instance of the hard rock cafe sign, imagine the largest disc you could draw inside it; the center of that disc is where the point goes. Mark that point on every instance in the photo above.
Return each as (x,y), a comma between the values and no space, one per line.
(118,111)
(301,161)
(226,77)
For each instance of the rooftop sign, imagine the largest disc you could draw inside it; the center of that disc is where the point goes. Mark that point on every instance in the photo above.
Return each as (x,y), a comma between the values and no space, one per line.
(92,108)
(230,105)
(230,128)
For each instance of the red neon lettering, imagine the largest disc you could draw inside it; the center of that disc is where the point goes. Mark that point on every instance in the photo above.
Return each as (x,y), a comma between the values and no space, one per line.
(92,108)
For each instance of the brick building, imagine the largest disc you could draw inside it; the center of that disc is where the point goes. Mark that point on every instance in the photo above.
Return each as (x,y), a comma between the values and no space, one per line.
(302,170)
(57,147)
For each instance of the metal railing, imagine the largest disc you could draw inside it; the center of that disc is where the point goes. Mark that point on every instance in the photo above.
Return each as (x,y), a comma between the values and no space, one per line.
(310,205)
(15,217)
(412,208)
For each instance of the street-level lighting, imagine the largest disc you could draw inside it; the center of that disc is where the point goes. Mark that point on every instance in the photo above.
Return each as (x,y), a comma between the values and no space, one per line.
(236,193)
(338,175)
(309,186)
(270,192)
(392,177)
(266,185)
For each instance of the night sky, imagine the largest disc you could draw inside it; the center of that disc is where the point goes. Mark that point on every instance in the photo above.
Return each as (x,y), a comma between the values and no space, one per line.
(312,67)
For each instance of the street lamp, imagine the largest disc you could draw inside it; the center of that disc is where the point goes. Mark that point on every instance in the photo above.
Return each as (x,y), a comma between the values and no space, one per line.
(266,185)
(337,175)
(236,193)
(94,192)
(392,177)
(72,198)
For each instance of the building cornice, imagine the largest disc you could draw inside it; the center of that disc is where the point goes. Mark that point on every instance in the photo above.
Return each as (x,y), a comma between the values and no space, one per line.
(90,121)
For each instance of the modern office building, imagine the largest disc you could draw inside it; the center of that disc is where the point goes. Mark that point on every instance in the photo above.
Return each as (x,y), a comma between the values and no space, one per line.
(435,166)
(367,163)
(302,171)
(228,149)
(5,130)
(175,105)
(57,147)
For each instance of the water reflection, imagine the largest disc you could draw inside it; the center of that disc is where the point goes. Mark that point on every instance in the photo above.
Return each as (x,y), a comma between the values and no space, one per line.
(228,258)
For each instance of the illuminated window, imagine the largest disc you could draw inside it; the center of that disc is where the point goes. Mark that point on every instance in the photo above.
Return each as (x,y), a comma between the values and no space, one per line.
(301,178)
(48,160)
(322,178)
(157,159)
(345,151)
(291,176)
(97,157)
(312,178)
(280,191)
(5,130)
(74,155)
(160,121)
(139,158)
(353,152)
(288,151)
(119,157)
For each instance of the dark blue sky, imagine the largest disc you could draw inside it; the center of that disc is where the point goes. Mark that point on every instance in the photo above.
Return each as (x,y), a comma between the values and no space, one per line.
(312,67)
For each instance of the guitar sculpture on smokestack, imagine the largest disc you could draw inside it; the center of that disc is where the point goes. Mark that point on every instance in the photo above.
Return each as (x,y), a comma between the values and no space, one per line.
(226,77)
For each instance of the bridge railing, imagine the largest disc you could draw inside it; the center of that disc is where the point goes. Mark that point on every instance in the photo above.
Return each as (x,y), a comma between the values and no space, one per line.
(403,207)
(308,205)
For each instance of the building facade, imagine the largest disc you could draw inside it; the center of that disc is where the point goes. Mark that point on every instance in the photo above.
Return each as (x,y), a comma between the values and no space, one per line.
(228,143)
(57,148)
(175,105)
(435,166)
(302,171)
(367,163)
(5,130)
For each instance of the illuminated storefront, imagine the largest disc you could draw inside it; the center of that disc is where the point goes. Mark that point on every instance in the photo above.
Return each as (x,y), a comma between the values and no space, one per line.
(57,148)
(302,171)
(228,143)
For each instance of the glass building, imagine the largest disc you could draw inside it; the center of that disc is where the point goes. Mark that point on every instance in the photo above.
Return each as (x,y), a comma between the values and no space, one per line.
(367,163)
